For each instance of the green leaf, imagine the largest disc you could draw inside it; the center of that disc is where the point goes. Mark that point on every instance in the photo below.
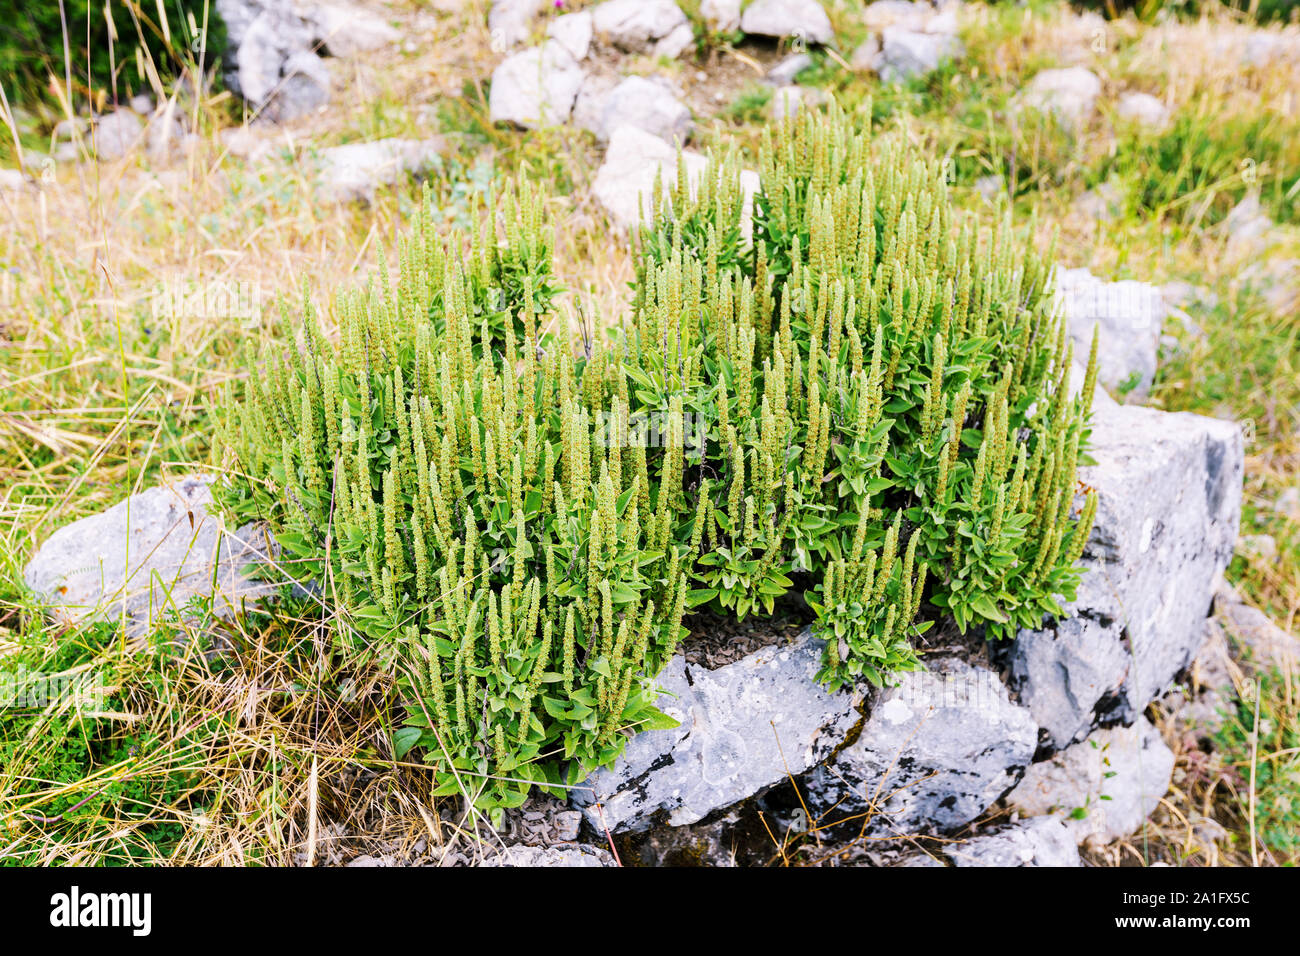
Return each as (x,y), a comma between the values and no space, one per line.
(404,739)
(697,596)
(984,605)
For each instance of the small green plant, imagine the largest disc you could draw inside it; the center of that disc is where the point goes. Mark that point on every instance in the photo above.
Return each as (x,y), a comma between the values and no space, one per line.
(1261,743)
(72,761)
(749,104)
(853,394)
(454,489)
(869,371)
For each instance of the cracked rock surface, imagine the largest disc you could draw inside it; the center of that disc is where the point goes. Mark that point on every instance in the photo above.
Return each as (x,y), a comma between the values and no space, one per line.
(743,727)
(935,752)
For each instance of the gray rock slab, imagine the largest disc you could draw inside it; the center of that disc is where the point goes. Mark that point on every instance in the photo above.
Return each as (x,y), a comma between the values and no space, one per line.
(647,104)
(743,727)
(802,19)
(352,172)
(535,87)
(641,26)
(573,31)
(722,16)
(624,184)
(1044,841)
(784,73)
(510,22)
(345,29)
(1143,109)
(115,134)
(1169,491)
(935,752)
(909,53)
(149,556)
(1102,788)
(1069,93)
(1128,316)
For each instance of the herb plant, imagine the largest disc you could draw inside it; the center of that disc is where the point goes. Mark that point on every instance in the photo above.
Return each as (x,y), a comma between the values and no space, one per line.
(856,395)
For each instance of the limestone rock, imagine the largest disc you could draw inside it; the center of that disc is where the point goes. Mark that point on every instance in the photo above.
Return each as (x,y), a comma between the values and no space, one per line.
(866,57)
(589,105)
(1102,788)
(646,104)
(1169,498)
(510,22)
(149,555)
(990,187)
(804,19)
(303,88)
(573,31)
(1267,644)
(346,30)
(1247,225)
(722,16)
(909,53)
(1263,48)
(624,183)
(115,134)
(352,173)
(1144,110)
(535,87)
(272,50)
(1044,841)
(784,73)
(919,17)
(1101,203)
(743,727)
(1070,94)
(1068,674)
(165,133)
(935,752)
(1129,316)
(13,180)
(1288,503)
(642,26)
(270,57)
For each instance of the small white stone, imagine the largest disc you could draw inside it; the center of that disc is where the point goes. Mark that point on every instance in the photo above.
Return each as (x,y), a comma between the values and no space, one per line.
(722,16)
(1070,94)
(802,19)
(1144,110)
(573,31)
(535,87)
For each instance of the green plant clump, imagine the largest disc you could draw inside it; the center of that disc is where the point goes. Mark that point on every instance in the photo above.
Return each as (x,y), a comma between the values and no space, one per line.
(859,397)
(885,393)
(450,484)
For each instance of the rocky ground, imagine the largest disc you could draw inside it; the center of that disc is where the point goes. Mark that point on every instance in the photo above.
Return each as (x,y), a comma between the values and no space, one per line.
(1112,738)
